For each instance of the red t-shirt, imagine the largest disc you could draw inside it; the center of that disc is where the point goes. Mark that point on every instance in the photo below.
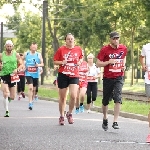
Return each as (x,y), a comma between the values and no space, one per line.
(83,71)
(72,56)
(106,53)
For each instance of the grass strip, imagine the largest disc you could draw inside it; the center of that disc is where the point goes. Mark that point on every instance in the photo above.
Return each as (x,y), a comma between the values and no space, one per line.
(134,107)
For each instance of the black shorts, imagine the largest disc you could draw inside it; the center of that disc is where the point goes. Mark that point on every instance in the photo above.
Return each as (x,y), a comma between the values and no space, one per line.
(31,80)
(7,80)
(64,80)
(112,89)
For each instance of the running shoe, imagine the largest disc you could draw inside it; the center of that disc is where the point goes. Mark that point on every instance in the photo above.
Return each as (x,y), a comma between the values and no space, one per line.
(36,98)
(77,111)
(30,106)
(105,124)
(7,114)
(70,119)
(81,109)
(61,121)
(115,125)
(23,95)
(148,139)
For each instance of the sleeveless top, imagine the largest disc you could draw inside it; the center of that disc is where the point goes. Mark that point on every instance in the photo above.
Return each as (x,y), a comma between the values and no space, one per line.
(9,63)
(30,61)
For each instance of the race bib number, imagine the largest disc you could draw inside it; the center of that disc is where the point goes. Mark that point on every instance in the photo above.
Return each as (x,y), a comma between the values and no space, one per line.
(117,67)
(14,78)
(32,69)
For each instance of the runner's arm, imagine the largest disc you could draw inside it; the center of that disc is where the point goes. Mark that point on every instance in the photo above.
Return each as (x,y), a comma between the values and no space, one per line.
(56,62)
(20,61)
(101,63)
(41,61)
(142,61)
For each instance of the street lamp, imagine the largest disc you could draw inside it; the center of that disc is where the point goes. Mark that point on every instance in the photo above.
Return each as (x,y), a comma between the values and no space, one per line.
(45,14)
(1,48)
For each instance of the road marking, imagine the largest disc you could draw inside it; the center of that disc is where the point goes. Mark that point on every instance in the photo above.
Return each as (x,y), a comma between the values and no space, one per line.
(123,142)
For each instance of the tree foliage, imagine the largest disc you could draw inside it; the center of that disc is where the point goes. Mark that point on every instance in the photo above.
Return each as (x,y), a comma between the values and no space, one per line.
(90,22)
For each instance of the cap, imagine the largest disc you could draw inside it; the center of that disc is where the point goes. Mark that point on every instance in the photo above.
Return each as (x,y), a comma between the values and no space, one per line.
(9,42)
(114,34)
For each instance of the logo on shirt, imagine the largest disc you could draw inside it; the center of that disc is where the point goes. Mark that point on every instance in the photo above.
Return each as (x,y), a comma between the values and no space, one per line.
(116,56)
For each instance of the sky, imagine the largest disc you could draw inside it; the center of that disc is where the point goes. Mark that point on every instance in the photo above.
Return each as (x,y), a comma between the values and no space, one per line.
(4,11)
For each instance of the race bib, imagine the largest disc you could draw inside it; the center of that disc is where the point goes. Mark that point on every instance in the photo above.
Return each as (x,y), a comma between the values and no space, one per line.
(32,69)
(117,67)
(70,69)
(14,78)
(90,78)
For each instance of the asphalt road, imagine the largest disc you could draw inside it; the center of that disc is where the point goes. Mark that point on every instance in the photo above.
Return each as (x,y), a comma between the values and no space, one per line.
(39,130)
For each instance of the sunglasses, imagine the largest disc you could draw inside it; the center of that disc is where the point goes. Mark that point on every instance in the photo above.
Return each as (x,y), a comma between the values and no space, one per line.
(115,38)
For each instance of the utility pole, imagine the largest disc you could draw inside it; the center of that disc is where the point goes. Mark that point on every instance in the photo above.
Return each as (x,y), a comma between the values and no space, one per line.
(45,14)
(1,48)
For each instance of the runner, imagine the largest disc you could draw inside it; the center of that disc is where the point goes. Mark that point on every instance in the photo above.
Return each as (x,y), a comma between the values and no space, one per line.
(21,83)
(33,60)
(145,62)
(113,58)
(83,72)
(9,60)
(68,58)
(93,75)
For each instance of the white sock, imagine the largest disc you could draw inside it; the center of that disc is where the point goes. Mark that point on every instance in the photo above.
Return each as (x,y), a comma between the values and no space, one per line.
(5,101)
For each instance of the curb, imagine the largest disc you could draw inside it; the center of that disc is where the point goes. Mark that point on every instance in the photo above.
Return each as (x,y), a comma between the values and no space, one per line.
(98,109)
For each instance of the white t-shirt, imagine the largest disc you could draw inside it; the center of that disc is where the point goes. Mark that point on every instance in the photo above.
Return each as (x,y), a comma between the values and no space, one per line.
(93,71)
(146,52)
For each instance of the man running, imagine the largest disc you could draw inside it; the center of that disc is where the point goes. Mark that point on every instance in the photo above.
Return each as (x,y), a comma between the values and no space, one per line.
(113,58)
(145,63)
(33,60)
(9,60)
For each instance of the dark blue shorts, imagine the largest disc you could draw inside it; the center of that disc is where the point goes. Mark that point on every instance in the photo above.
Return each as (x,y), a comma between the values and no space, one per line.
(112,89)
(6,79)
(31,80)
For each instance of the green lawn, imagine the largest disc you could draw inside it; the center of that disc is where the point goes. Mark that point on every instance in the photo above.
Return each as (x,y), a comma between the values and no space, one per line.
(137,87)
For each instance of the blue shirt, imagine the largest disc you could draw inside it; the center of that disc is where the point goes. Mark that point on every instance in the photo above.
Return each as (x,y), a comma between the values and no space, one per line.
(30,62)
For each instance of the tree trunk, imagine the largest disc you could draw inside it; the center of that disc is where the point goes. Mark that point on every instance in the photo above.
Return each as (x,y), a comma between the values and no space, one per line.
(132,56)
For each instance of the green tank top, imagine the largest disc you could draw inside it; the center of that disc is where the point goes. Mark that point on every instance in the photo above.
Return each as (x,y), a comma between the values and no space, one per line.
(9,63)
